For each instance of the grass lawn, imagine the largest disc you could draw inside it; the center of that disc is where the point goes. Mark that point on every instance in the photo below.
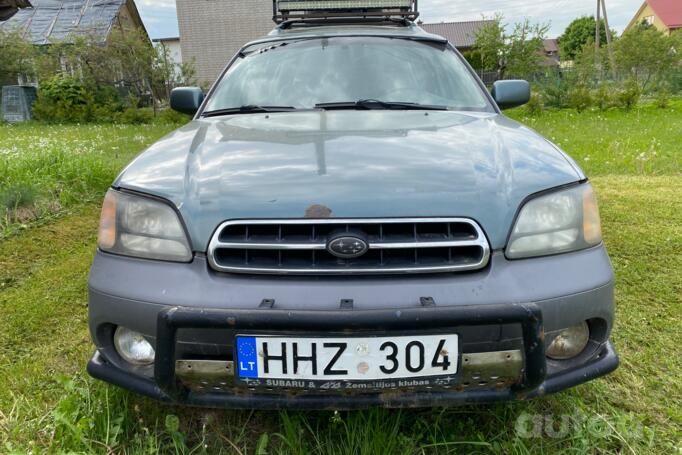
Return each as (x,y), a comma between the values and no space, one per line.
(48,404)
(45,169)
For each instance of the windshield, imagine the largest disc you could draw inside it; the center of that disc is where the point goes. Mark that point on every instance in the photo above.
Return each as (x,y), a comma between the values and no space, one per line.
(307,73)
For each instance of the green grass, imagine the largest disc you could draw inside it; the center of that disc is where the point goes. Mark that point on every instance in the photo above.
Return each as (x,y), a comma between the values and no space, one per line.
(45,169)
(47,403)
(645,141)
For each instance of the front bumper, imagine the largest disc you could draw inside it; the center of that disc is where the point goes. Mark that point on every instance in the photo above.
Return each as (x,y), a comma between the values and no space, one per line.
(203,311)
(606,363)
(166,387)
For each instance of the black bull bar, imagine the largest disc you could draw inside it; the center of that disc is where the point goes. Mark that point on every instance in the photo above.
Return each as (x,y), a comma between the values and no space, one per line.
(534,381)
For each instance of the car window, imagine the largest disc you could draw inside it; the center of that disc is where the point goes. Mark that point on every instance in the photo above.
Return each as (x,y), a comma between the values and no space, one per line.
(304,73)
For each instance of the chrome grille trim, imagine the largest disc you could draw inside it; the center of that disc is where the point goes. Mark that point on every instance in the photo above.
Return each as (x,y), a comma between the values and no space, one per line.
(477,240)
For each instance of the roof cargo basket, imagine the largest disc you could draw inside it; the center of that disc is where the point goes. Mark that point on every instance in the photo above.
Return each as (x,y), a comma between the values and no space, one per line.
(330,10)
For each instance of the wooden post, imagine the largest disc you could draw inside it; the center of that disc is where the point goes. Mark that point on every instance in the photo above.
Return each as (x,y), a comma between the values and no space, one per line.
(609,38)
(597,42)
(597,33)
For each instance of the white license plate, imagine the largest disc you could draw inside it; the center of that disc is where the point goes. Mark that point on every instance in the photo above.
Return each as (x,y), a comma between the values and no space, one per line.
(345,359)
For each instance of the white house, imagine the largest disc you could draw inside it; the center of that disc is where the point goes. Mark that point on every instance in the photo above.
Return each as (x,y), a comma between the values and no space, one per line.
(173,48)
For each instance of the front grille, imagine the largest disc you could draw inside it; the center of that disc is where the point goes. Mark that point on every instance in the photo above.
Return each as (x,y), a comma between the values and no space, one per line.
(394,246)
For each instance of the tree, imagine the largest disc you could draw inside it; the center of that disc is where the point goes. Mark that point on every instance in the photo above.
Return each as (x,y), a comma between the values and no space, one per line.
(585,70)
(524,49)
(518,54)
(490,43)
(17,57)
(474,58)
(644,25)
(126,61)
(578,33)
(169,75)
(676,74)
(86,77)
(647,55)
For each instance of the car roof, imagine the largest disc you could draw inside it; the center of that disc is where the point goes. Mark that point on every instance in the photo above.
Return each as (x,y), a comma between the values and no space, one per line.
(308,31)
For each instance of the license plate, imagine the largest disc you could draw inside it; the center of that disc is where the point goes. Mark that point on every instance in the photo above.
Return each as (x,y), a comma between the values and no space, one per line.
(302,362)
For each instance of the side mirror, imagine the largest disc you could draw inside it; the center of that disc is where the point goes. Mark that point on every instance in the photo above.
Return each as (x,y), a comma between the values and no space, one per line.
(508,94)
(186,99)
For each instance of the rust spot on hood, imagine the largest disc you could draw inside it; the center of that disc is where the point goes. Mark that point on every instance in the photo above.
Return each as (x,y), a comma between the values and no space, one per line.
(318,211)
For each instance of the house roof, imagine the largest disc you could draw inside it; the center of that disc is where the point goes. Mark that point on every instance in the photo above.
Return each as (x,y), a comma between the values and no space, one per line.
(551,45)
(459,34)
(54,20)
(669,11)
(166,40)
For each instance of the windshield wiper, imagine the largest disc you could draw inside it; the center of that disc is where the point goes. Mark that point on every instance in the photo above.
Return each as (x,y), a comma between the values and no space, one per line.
(371,104)
(248,109)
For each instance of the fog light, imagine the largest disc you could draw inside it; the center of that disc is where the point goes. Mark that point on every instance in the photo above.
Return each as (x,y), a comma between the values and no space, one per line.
(133,347)
(570,342)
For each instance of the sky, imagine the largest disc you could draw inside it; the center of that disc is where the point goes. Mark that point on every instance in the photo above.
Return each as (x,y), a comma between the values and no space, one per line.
(161,21)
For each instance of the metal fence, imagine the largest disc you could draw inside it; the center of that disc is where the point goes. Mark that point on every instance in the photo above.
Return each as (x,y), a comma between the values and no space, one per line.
(489,77)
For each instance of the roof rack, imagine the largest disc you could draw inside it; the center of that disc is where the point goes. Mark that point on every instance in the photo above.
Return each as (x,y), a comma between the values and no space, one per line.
(287,12)
(316,22)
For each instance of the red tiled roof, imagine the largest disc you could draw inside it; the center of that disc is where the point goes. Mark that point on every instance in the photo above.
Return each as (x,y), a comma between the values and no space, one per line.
(669,11)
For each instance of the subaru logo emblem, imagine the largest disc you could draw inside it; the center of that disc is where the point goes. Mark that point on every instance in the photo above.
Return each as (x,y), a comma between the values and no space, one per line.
(347,247)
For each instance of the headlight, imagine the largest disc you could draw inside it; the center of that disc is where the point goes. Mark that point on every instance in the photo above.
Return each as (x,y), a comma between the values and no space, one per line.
(142,227)
(567,220)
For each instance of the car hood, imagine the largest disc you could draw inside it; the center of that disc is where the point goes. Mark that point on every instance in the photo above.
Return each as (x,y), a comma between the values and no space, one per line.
(352,163)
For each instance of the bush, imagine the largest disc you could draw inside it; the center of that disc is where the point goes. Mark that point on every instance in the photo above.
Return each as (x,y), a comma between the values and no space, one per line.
(580,98)
(102,114)
(555,93)
(107,104)
(603,97)
(63,99)
(663,98)
(171,117)
(629,95)
(135,116)
(536,104)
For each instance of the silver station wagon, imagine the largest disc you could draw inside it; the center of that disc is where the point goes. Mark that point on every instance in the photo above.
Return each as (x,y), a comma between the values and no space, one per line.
(350,221)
